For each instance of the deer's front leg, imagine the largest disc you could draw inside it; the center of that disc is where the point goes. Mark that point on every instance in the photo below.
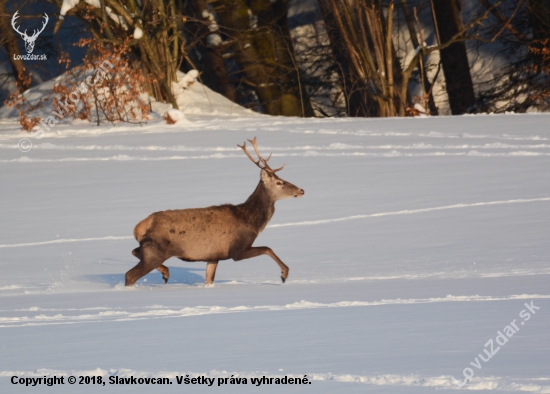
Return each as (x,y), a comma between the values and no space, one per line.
(165,272)
(259,250)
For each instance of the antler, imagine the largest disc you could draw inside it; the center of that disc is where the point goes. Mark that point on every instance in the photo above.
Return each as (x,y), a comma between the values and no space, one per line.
(260,160)
(36,33)
(14,17)
(43,26)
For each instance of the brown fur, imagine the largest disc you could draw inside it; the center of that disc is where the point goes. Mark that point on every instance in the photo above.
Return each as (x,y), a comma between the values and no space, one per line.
(210,234)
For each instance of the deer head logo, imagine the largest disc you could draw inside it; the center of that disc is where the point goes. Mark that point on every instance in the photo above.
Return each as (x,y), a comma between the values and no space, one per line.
(29,40)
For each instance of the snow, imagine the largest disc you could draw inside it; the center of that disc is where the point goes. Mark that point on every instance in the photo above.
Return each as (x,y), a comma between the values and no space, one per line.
(214,40)
(138,33)
(253,19)
(176,116)
(416,242)
(191,96)
(68,5)
(188,79)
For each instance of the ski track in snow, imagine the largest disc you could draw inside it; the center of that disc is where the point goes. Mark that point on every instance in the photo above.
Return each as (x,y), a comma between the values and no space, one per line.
(61,241)
(309,153)
(285,127)
(430,134)
(304,223)
(460,146)
(443,382)
(410,212)
(160,312)
(332,146)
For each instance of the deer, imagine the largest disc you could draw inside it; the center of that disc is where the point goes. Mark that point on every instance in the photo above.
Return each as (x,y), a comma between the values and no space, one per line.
(214,233)
(29,41)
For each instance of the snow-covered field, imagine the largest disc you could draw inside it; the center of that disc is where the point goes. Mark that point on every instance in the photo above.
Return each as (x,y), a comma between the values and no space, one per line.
(417,240)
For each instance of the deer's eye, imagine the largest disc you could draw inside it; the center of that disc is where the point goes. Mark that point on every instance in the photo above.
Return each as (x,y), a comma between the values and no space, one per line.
(279,183)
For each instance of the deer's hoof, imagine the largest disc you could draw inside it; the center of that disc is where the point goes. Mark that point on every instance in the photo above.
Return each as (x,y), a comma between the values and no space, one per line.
(283,278)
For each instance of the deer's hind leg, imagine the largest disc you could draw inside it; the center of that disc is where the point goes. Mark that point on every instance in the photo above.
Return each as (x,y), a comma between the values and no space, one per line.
(151,257)
(210,272)
(162,268)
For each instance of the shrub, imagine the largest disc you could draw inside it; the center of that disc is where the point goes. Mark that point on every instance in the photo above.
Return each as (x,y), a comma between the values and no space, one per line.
(105,87)
(114,94)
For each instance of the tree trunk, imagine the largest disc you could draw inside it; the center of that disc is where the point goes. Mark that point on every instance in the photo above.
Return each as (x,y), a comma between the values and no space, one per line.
(361,40)
(157,51)
(540,18)
(454,58)
(426,85)
(207,57)
(265,56)
(358,101)
(294,93)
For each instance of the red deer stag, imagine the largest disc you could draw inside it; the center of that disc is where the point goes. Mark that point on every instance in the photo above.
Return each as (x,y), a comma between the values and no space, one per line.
(215,233)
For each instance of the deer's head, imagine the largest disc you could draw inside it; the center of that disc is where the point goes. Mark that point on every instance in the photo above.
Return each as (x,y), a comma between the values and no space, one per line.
(278,188)
(29,40)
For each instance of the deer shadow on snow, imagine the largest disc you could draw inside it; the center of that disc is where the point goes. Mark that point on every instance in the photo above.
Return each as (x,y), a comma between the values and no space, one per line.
(178,275)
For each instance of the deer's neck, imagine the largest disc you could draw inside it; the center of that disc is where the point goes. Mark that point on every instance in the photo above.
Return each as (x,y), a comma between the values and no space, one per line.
(259,208)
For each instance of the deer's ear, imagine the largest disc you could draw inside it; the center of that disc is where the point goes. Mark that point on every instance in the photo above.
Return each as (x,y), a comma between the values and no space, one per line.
(264,176)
